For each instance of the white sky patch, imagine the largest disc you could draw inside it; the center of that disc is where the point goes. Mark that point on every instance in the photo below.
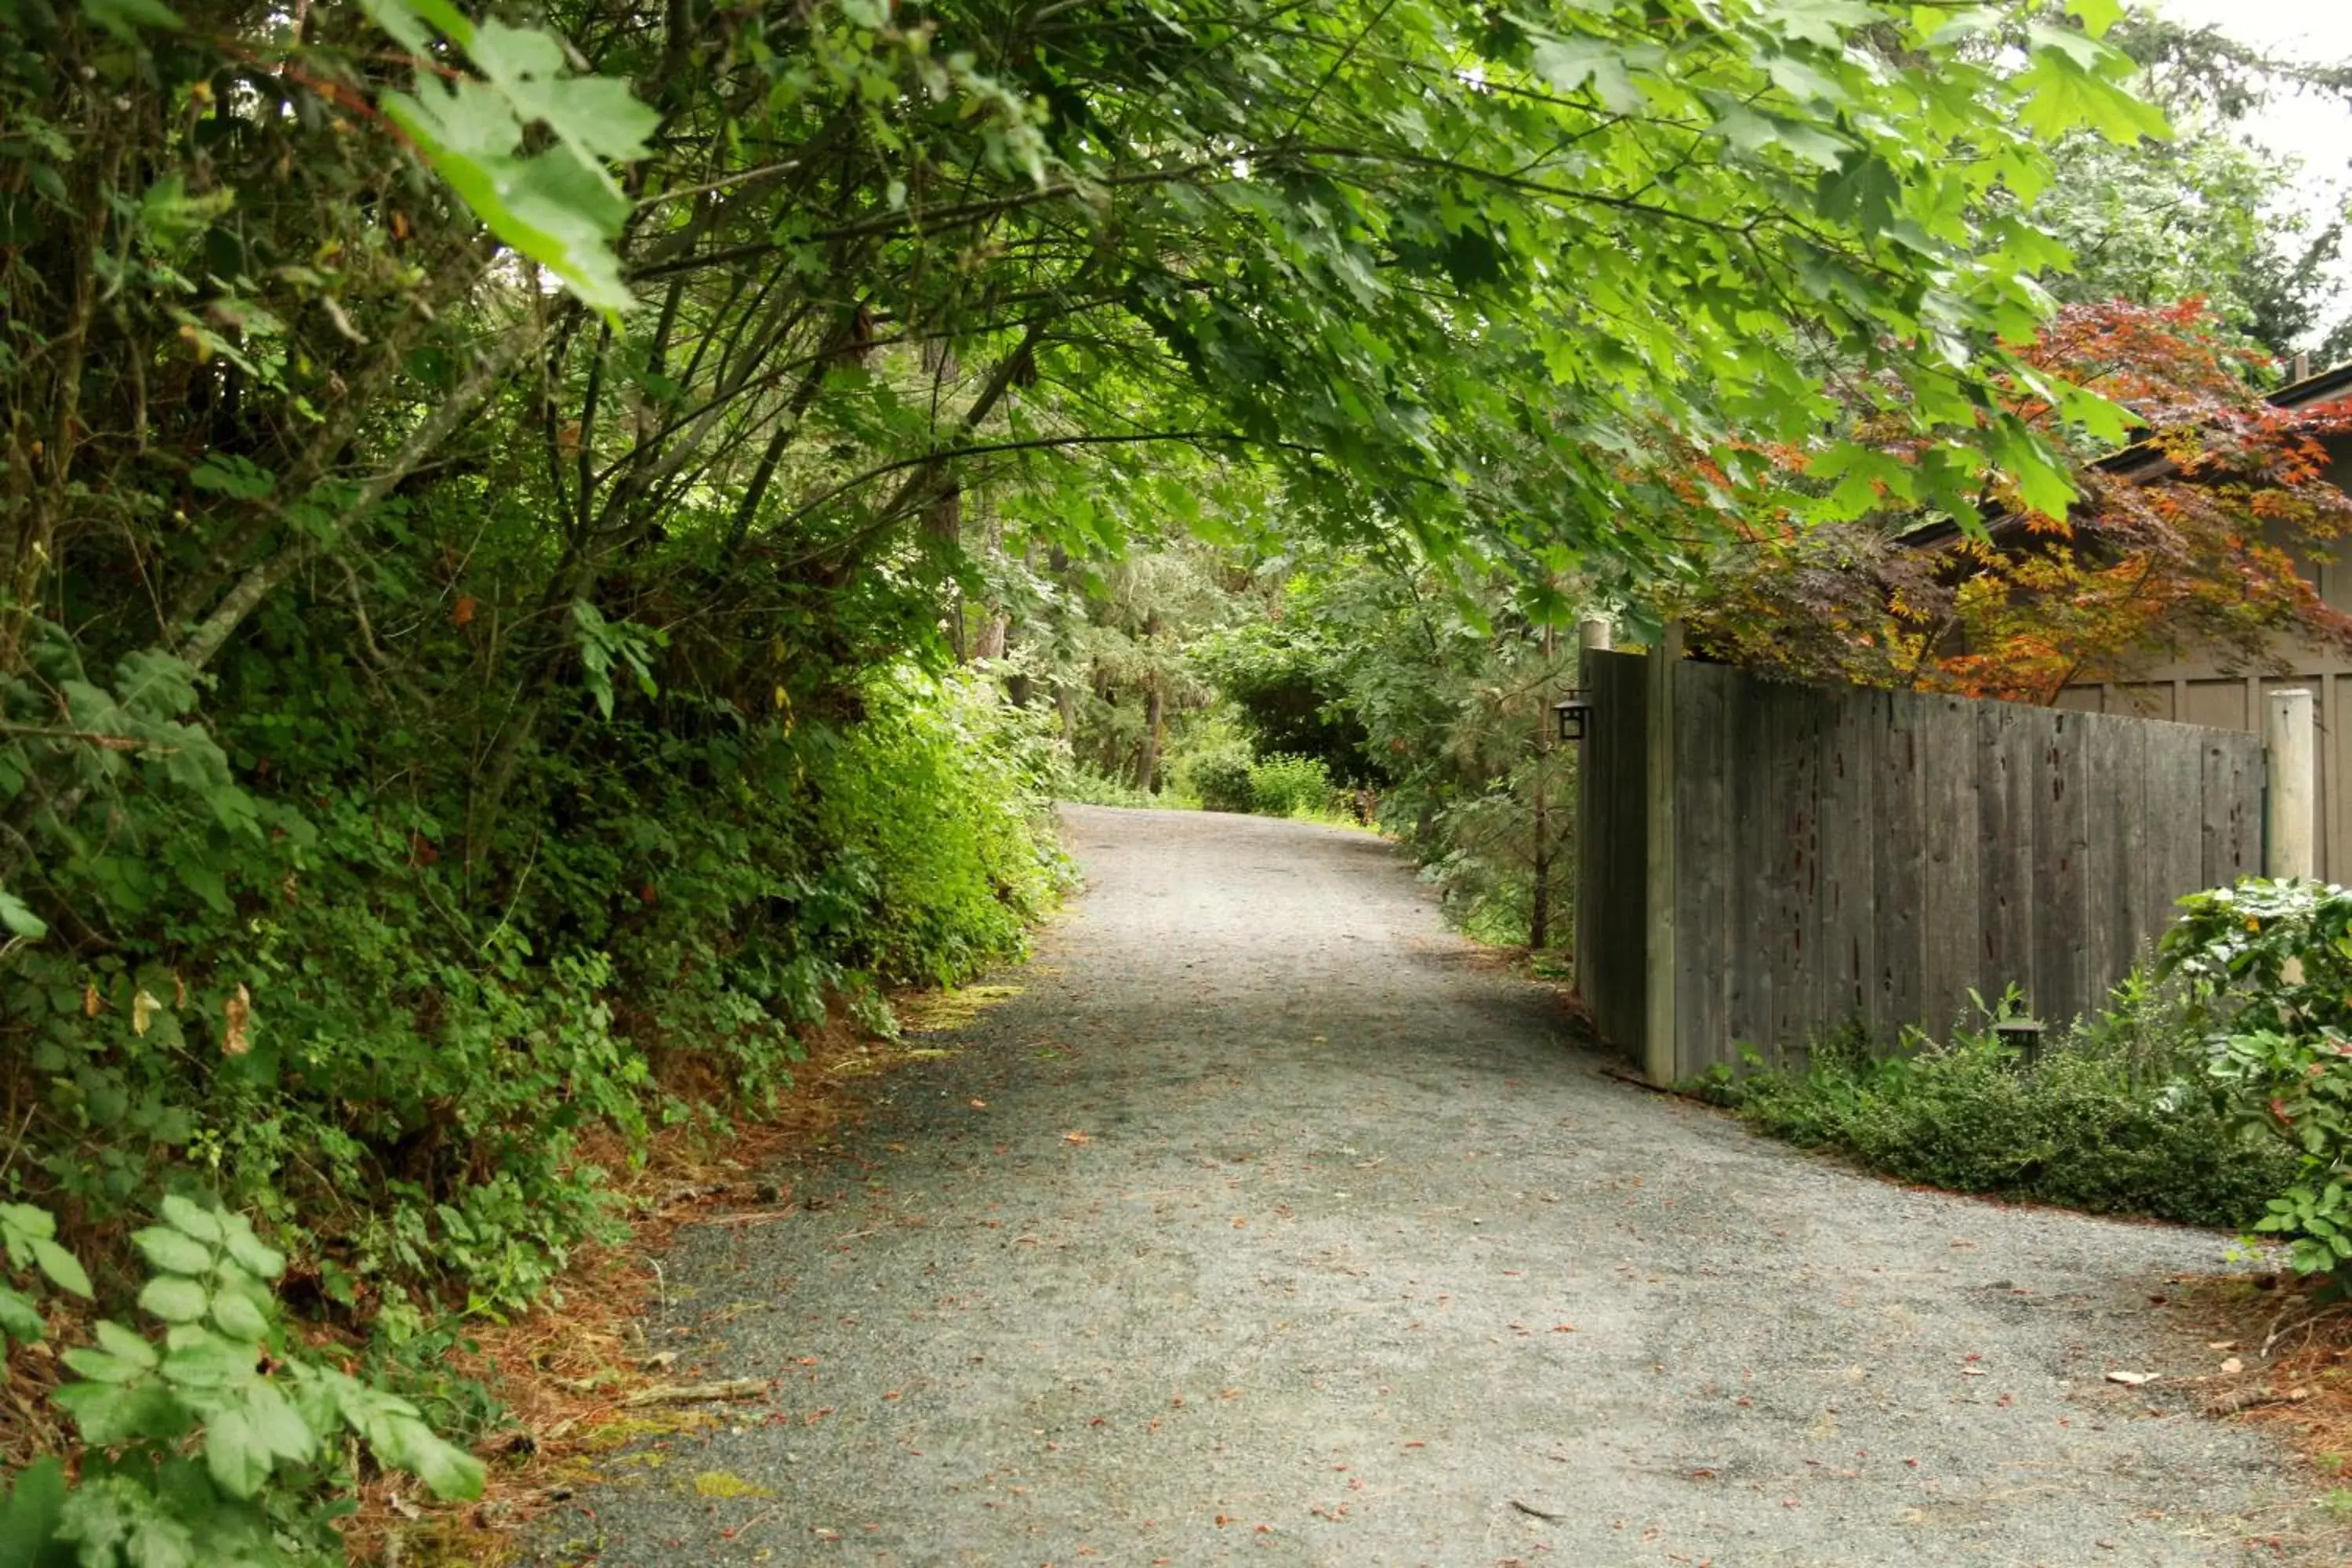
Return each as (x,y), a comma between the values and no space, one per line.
(2315,130)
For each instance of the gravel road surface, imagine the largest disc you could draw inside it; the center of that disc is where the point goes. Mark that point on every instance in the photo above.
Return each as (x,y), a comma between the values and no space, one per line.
(1271,1224)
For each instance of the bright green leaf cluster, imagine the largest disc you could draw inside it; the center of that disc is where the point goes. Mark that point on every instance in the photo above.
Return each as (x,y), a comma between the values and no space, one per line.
(223,1384)
(559,206)
(28,1239)
(2271,965)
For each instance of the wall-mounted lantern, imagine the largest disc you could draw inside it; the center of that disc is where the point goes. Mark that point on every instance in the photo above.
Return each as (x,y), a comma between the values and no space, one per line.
(2022,1035)
(1575,715)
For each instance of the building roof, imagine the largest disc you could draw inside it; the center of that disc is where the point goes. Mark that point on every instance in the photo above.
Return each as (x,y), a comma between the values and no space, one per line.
(2144,461)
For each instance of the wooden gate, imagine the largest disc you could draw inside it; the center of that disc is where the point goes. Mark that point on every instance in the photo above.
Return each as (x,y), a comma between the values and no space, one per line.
(1763,861)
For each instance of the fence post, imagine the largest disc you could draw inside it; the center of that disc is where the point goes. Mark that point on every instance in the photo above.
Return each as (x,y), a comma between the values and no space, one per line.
(1658,1024)
(2291,750)
(1593,634)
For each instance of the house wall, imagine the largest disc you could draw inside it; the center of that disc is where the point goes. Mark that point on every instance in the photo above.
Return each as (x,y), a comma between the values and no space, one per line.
(2197,690)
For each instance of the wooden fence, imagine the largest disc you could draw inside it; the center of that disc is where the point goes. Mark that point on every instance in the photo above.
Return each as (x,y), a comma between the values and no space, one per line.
(1763,861)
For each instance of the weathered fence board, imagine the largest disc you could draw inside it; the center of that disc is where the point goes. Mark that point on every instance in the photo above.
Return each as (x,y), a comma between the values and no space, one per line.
(2061,979)
(1899,870)
(2175,801)
(2004,930)
(2232,799)
(1702,753)
(1834,858)
(1954,871)
(1611,943)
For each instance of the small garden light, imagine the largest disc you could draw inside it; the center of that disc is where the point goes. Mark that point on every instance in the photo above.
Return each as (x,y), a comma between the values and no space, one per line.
(2024,1035)
(1573,714)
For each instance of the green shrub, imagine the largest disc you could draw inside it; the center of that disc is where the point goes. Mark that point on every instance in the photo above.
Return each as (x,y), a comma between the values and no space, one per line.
(227,1442)
(394,1069)
(937,799)
(1478,852)
(1073,780)
(392,1060)
(1223,778)
(2269,965)
(2096,1123)
(1290,786)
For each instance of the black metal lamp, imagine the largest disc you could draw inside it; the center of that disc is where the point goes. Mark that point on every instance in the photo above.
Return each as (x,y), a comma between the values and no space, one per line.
(1574,715)
(2023,1035)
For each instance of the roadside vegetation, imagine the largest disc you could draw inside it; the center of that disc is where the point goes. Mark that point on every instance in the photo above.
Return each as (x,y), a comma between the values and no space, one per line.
(2112,1116)
(2213,1088)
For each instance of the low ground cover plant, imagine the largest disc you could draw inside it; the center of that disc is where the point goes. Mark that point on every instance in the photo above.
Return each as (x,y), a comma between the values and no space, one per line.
(2105,1117)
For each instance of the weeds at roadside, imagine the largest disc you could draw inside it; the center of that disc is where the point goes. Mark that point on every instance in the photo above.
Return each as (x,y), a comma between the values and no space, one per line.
(2099,1121)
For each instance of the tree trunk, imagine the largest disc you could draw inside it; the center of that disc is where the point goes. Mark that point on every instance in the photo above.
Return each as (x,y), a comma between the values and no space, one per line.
(1155,718)
(989,641)
(995,626)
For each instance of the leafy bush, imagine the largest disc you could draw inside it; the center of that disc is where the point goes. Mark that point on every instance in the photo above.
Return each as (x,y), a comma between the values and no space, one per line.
(396,1072)
(939,796)
(2096,1123)
(2269,968)
(1228,778)
(1478,849)
(1290,786)
(229,1443)
(1222,778)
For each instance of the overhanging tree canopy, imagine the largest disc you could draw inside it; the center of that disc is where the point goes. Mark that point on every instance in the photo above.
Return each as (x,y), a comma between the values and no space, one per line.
(1447,278)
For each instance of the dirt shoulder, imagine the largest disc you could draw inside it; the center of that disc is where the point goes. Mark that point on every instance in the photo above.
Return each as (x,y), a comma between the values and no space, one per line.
(1270,1222)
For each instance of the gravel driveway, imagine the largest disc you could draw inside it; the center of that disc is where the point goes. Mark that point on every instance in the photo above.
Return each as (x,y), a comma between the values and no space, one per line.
(1271,1224)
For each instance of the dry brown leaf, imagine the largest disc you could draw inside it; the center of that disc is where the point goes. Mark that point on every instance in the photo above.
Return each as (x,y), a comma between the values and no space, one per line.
(237,1015)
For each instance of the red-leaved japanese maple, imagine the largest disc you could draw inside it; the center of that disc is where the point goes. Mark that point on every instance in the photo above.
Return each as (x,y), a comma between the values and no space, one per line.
(2190,539)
